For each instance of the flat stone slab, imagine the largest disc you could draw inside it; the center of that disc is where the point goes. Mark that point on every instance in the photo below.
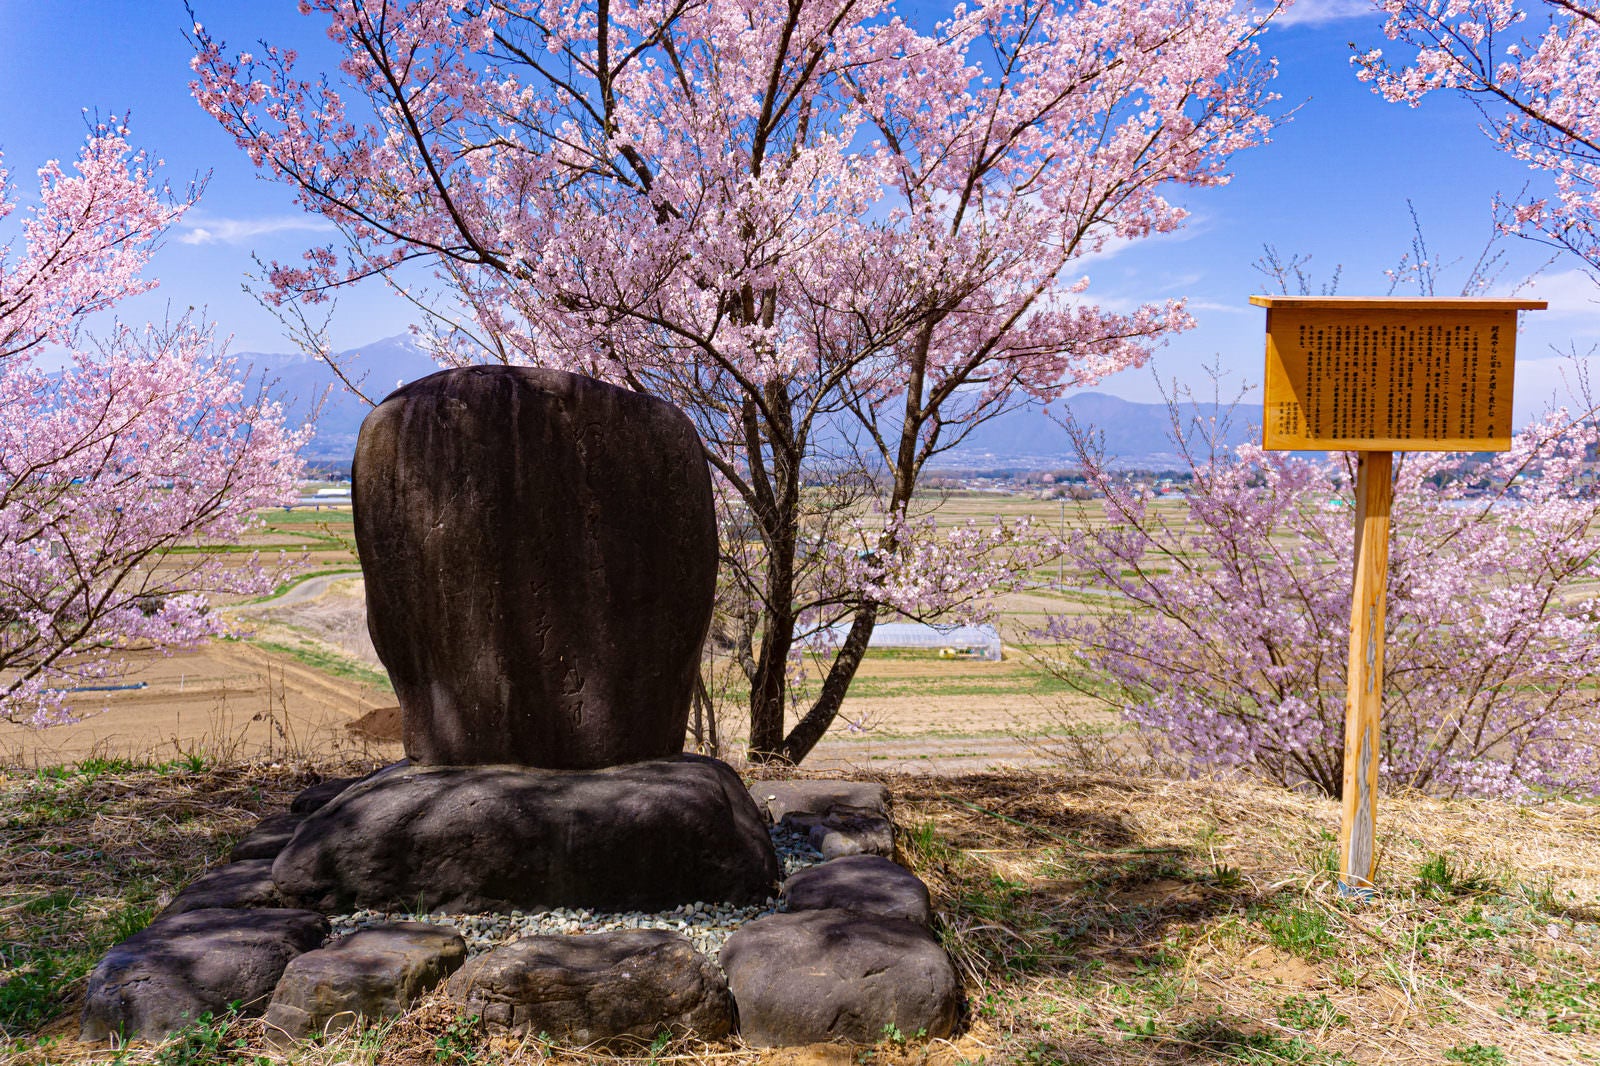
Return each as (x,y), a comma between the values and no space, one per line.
(267,838)
(821,976)
(178,968)
(862,884)
(645,836)
(778,799)
(540,556)
(246,883)
(372,973)
(319,794)
(845,830)
(598,988)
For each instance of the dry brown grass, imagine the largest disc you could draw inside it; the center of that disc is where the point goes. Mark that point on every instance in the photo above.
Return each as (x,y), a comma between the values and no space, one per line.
(1116,919)
(1095,917)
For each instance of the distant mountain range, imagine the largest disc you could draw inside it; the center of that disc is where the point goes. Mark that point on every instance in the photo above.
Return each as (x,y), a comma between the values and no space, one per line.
(1129,434)
(1031,438)
(304,383)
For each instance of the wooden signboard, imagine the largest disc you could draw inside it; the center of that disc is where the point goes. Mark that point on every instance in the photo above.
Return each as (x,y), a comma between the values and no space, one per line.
(1358,374)
(1377,376)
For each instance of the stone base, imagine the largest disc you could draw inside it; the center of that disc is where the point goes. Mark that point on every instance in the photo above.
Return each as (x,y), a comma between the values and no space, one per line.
(830,975)
(779,799)
(644,836)
(845,831)
(247,883)
(861,884)
(585,989)
(267,838)
(371,974)
(181,967)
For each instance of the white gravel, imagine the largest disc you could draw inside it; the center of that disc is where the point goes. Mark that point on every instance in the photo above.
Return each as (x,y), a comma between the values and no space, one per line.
(707,925)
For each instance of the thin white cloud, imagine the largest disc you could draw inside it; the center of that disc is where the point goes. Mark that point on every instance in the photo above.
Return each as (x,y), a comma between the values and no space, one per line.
(209,230)
(1243,307)
(1322,12)
(1193,226)
(1570,292)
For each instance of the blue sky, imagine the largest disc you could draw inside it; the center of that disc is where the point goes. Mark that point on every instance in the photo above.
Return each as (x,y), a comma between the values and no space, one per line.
(1333,184)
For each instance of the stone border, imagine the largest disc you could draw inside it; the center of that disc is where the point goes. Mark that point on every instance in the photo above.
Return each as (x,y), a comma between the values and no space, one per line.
(849,956)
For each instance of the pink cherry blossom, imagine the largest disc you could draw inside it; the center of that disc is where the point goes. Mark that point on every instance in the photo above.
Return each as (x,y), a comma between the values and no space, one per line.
(1533,69)
(1226,625)
(113,470)
(838,241)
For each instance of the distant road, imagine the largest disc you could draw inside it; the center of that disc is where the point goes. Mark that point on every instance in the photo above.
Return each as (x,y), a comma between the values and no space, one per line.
(313,588)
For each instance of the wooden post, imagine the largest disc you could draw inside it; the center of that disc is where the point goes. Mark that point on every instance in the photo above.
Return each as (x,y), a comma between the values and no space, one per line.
(1364,701)
(1375,377)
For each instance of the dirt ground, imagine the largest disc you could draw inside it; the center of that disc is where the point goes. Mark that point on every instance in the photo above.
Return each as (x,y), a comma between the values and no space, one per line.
(306,671)
(227,700)
(230,699)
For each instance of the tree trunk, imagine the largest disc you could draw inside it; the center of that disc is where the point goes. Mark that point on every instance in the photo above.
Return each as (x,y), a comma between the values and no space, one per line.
(778,512)
(769,687)
(811,728)
(798,744)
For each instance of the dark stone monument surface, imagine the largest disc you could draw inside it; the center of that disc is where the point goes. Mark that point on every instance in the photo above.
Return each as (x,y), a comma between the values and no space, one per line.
(635,983)
(178,968)
(643,836)
(540,556)
(822,976)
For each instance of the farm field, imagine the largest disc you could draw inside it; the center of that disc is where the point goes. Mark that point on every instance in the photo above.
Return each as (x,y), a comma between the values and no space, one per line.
(304,670)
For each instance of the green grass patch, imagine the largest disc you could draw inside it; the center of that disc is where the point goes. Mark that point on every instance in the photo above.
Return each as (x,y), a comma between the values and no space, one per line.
(308,517)
(1561,1003)
(924,841)
(1439,877)
(205,1042)
(95,767)
(904,655)
(311,544)
(39,977)
(1018,684)
(1309,1013)
(1220,1040)
(329,662)
(1300,930)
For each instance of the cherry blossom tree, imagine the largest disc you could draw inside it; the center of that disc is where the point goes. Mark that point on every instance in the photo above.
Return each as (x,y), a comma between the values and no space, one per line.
(1224,637)
(1533,69)
(1222,625)
(837,241)
(86,243)
(118,470)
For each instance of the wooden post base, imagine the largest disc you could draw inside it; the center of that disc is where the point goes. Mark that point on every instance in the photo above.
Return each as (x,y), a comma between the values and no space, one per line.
(1364,700)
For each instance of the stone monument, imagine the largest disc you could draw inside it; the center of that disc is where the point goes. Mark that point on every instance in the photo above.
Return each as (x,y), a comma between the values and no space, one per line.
(540,556)
(539,551)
